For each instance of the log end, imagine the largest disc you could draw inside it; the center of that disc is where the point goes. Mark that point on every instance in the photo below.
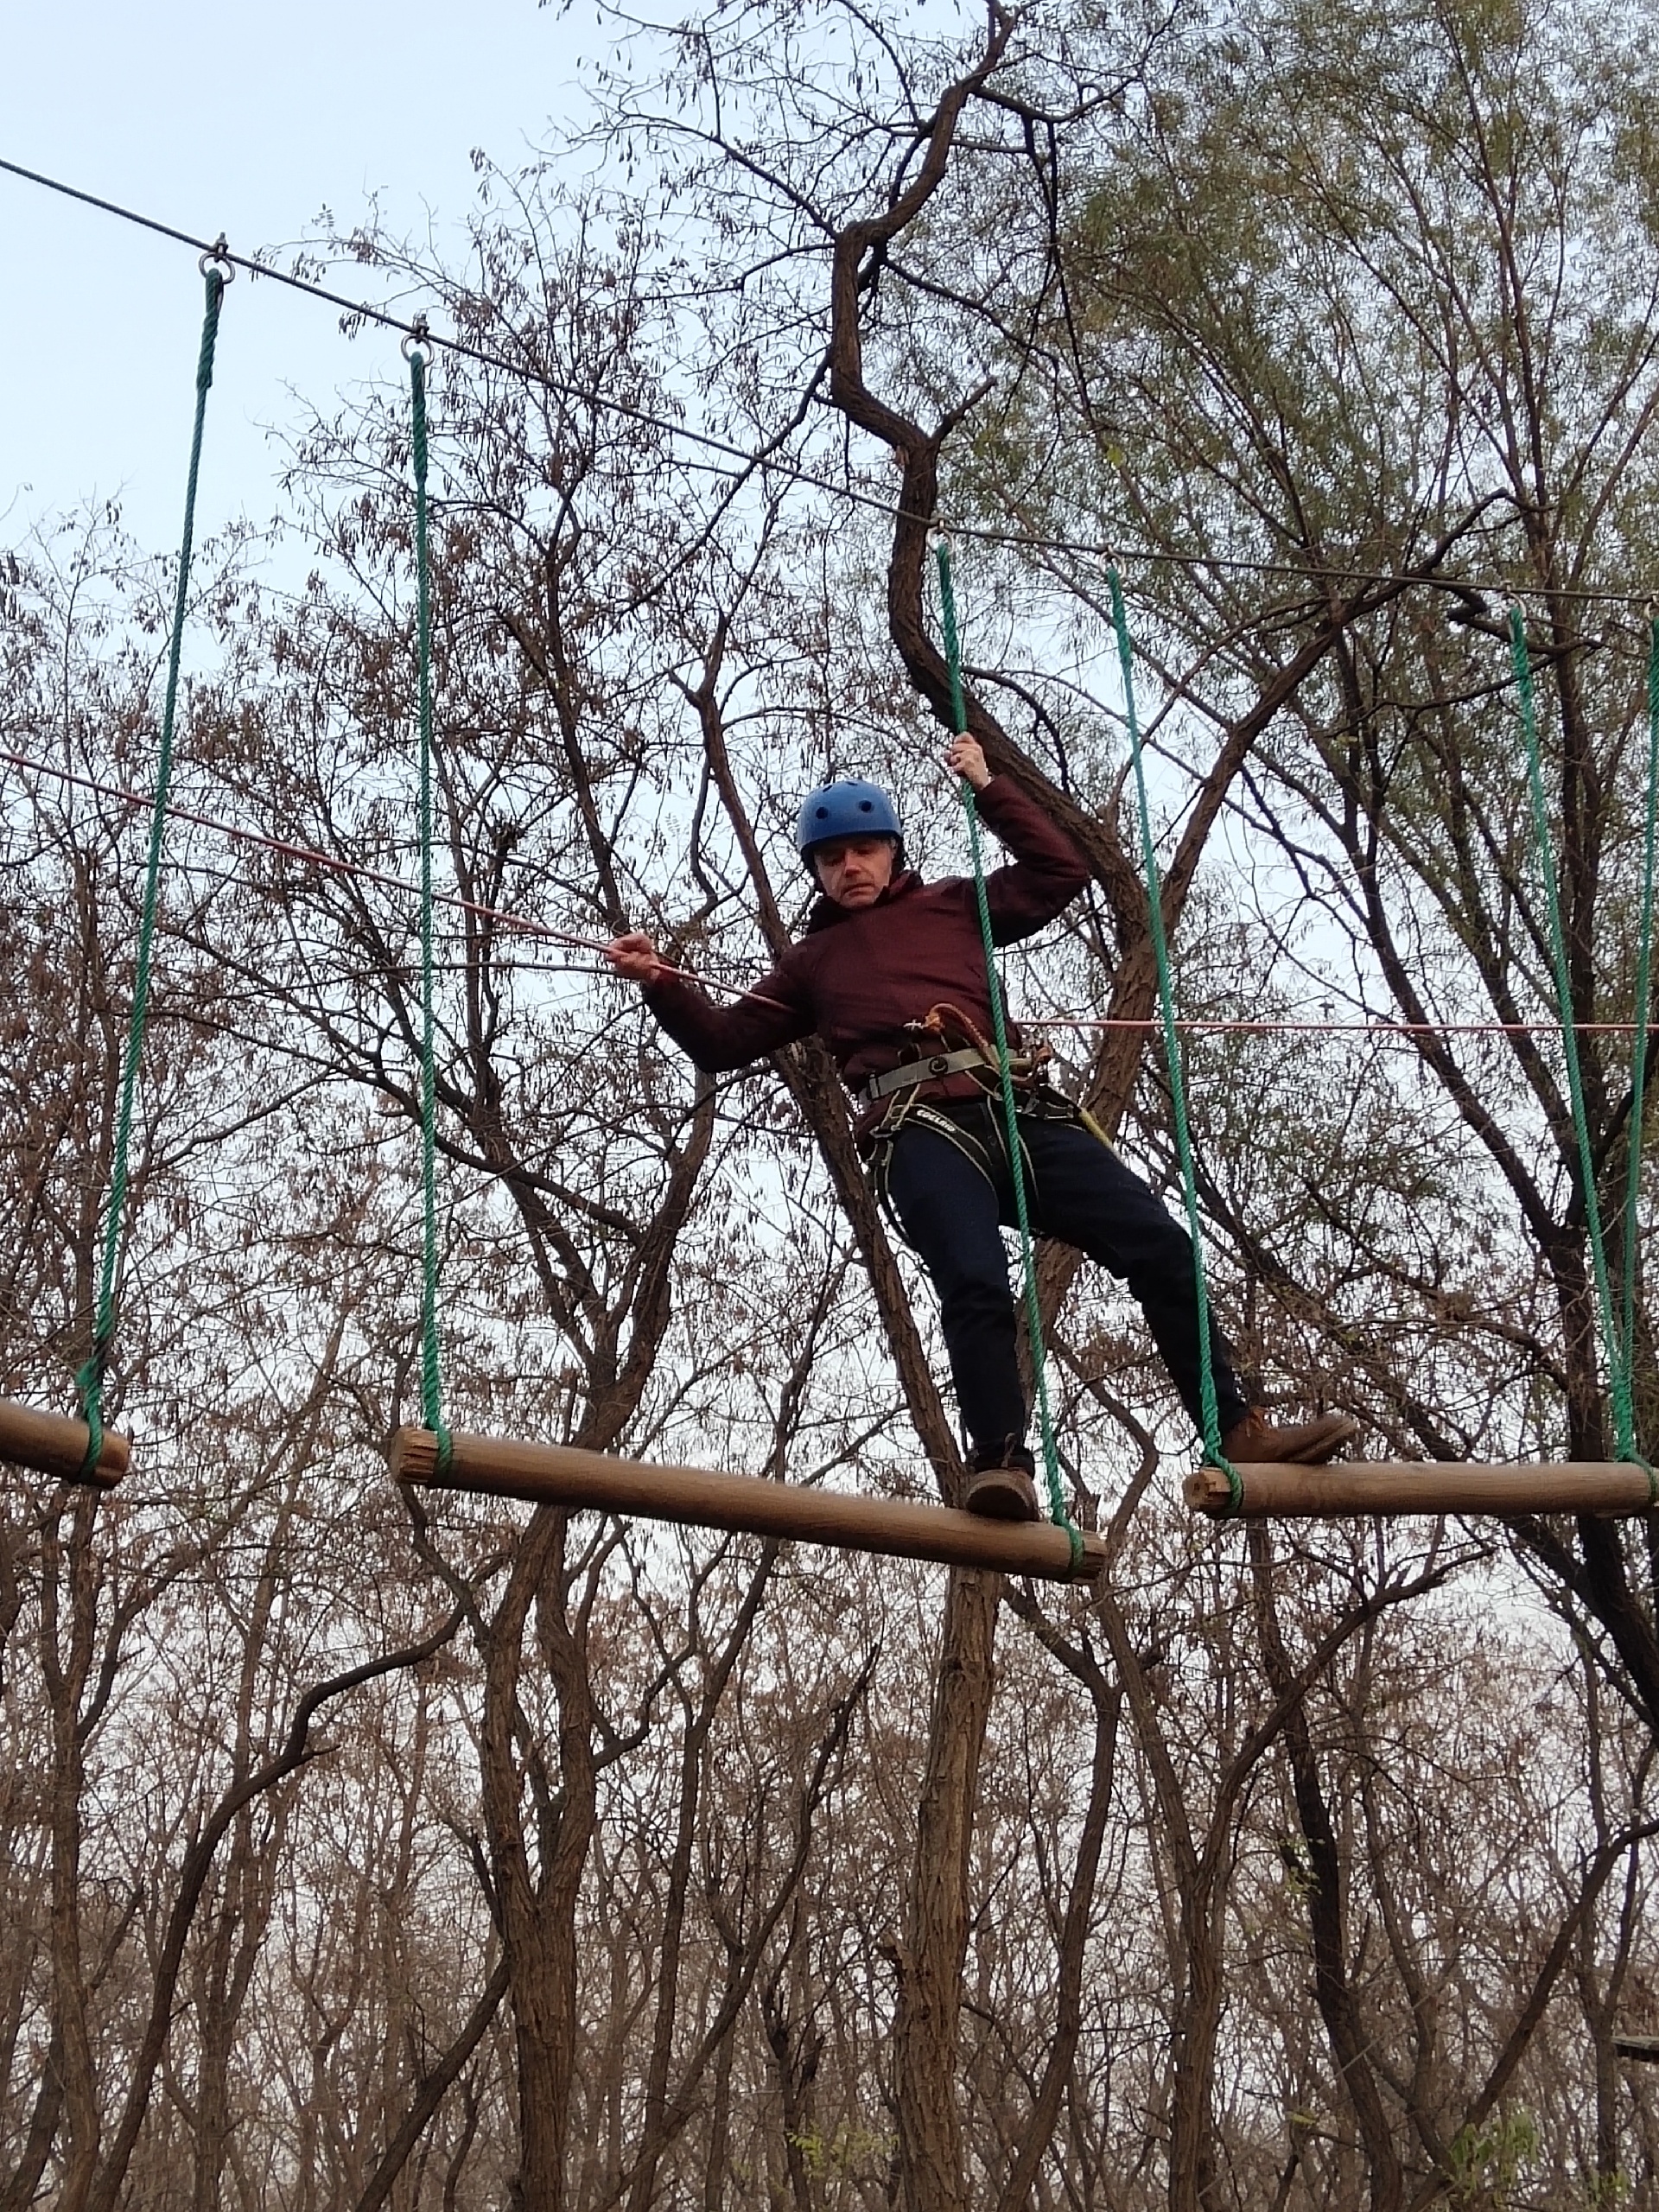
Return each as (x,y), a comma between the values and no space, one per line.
(113,1461)
(413,1457)
(1205,1490)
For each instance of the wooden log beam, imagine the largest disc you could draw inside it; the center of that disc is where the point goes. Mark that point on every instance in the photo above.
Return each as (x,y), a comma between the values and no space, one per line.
(559,1474)
(1642,2047)
(1358,1488)
(53,1446)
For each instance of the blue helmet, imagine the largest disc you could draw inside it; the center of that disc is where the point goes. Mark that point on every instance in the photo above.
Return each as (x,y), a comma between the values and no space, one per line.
(854,808)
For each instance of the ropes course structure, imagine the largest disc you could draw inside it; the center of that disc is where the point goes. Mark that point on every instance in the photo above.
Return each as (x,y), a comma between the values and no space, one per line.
(84,1451)
(1626,1484)
(571,1478)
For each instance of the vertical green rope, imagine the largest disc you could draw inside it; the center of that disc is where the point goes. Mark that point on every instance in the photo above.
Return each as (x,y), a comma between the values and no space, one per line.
(1641,1016)
(431,1393)
(1213,1451)
(89,1382)
(1057,1510)
(1618,1374)
(1642,1012)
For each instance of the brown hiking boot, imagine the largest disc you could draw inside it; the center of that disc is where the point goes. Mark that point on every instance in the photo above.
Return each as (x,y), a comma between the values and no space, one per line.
(1255,1439)
(1002,1483)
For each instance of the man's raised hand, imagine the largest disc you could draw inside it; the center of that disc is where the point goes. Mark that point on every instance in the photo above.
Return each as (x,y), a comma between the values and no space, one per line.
(964,756)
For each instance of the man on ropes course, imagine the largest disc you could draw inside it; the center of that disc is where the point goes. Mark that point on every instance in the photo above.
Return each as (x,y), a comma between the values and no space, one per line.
(890,973)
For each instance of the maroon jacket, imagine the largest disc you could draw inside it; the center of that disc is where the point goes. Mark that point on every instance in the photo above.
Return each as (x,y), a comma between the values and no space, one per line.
(859,974)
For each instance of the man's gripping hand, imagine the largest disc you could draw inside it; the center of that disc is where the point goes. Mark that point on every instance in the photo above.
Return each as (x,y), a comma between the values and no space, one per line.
(965,756)
(635,957)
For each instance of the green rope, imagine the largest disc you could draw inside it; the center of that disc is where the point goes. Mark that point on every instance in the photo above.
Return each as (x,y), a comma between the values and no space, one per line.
(1213,1451)
(89,1380)
(1618,1373)
(1644,1006)
(1057,1510)
(431,1395)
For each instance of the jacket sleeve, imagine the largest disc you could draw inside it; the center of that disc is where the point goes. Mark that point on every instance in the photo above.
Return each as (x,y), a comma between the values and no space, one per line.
(775,1011)
(1047,872)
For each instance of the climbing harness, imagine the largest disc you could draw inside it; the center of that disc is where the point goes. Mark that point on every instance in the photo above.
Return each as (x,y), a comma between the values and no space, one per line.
(89,1382)
(977,1058)
(910,1074)
(1016,1153)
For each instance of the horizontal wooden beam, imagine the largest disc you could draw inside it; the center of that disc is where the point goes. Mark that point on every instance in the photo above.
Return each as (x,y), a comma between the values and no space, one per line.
(53,1446)
(1643,2047)
(1358,1488)
(559,1474)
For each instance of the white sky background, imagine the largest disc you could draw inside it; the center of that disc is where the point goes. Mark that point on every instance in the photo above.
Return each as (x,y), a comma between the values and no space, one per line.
(250,121)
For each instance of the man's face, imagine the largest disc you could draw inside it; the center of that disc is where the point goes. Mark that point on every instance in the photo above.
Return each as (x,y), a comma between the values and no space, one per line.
(854,870)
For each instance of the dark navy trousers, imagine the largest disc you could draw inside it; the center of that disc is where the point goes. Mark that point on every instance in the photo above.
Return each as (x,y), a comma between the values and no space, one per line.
(950,1208)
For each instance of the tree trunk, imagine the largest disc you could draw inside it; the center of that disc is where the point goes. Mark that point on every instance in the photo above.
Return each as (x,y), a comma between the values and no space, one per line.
(1333,1993)
(930,1984)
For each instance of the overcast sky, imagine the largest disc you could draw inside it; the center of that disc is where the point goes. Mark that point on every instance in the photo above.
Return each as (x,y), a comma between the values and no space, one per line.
(249,121)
